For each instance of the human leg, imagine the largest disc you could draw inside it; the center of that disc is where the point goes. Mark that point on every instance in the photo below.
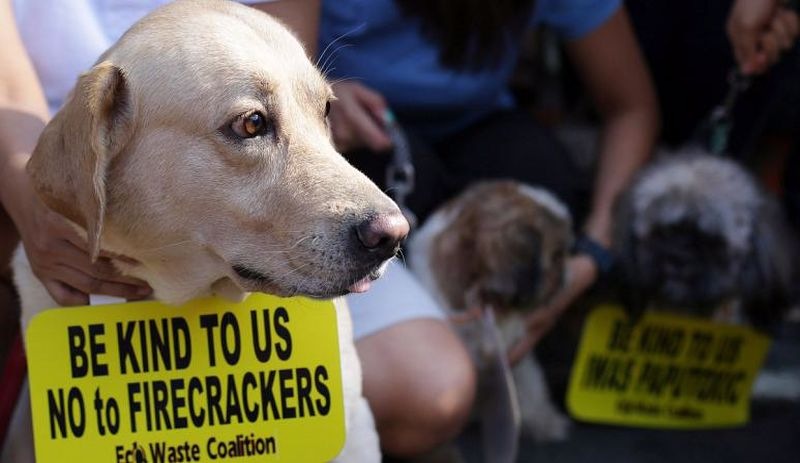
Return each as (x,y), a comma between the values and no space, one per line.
(418,377)
(419,382)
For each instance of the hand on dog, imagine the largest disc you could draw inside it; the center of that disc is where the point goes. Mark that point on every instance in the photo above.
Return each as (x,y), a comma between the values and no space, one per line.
(356,118)
(759,30)
(583,273)
(60,259)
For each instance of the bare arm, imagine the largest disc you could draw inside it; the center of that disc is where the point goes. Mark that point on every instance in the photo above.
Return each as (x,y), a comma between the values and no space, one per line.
(617,78)
(22,102)
(301,16)
(18,113)
(57,254)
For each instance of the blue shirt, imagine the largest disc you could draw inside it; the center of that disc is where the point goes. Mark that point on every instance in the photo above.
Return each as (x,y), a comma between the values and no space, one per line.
(373,42)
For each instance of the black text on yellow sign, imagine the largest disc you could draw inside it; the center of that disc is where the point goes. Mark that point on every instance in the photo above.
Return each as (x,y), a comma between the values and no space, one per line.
(665,371)
(209,381)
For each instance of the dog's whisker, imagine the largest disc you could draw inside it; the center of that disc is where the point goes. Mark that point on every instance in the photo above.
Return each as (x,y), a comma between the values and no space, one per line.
(333,42)
(296,270)
(330,60)
(341,79)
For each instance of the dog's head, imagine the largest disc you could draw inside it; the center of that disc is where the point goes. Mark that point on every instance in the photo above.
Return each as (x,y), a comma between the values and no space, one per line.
(198,145)
(499,243)
(695,232)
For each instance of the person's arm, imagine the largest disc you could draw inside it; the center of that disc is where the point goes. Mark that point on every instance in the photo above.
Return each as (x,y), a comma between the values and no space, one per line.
(56,253)
(356,115)
(301,16)
(759,30)
(615,75)
(20,93)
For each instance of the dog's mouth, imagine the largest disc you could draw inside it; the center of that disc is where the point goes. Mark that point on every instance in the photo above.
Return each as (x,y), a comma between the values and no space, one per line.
(247,273)
(257,280)
(363,284)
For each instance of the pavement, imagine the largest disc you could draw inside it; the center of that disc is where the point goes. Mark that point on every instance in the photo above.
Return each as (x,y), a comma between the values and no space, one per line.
(771,436)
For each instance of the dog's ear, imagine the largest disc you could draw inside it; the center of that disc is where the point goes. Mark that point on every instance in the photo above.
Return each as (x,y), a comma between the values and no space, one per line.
(68,167)
(770,271)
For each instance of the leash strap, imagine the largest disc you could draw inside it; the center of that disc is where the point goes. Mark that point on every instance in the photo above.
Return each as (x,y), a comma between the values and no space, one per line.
(400,172)
(499,410)
(716,131)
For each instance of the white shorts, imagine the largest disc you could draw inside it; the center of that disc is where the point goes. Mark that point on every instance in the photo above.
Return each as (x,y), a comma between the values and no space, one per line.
(395,297)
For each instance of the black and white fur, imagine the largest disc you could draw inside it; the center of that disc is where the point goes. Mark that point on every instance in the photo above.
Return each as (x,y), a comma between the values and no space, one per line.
(695,233)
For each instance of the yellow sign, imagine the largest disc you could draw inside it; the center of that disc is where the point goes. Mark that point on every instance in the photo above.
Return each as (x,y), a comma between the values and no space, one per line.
(208,381)
(665,371)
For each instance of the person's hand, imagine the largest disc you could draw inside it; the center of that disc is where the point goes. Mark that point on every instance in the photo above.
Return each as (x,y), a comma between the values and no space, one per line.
(59,257)
(356,118)
(582,273)
(759,30)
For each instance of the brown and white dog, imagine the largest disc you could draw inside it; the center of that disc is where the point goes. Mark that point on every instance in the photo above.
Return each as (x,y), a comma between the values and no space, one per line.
(501,244)
(199,146)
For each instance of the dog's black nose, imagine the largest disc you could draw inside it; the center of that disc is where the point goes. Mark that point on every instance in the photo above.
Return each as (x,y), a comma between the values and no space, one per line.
(383,232)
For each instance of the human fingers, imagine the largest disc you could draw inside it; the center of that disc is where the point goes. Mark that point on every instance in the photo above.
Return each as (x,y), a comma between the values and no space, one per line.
(792,21)
(744,44)
(770,48)
(366,128)
(583,273)
(68,255)
(746,21)
(63,294)
(356,117)
(537,324)
(784,26)
(88,284)
(373,101)
(341,132)
(118,257)
(62,262)
(521,348)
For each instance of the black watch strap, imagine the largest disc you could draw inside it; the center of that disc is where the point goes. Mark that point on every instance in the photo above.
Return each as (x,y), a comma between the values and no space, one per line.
(601,256)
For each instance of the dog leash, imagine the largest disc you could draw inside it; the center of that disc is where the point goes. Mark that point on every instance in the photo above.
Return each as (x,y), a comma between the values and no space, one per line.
(716,130)
(400,171)
(499,411)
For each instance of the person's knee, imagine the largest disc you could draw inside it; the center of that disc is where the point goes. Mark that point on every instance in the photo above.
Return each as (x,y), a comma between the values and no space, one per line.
(421,389)
(439,408)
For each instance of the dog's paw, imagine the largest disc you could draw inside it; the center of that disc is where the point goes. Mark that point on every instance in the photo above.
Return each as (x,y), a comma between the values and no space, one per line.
(547,426)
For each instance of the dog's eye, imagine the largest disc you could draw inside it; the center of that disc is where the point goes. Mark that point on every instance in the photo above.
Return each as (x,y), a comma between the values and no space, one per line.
(250,125)
(327,108)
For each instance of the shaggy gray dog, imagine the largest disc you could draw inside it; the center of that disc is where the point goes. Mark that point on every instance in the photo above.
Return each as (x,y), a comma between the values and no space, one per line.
(695,233)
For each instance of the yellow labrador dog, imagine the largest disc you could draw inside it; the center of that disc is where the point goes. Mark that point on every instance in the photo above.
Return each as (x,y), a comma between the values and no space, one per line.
(198,146)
